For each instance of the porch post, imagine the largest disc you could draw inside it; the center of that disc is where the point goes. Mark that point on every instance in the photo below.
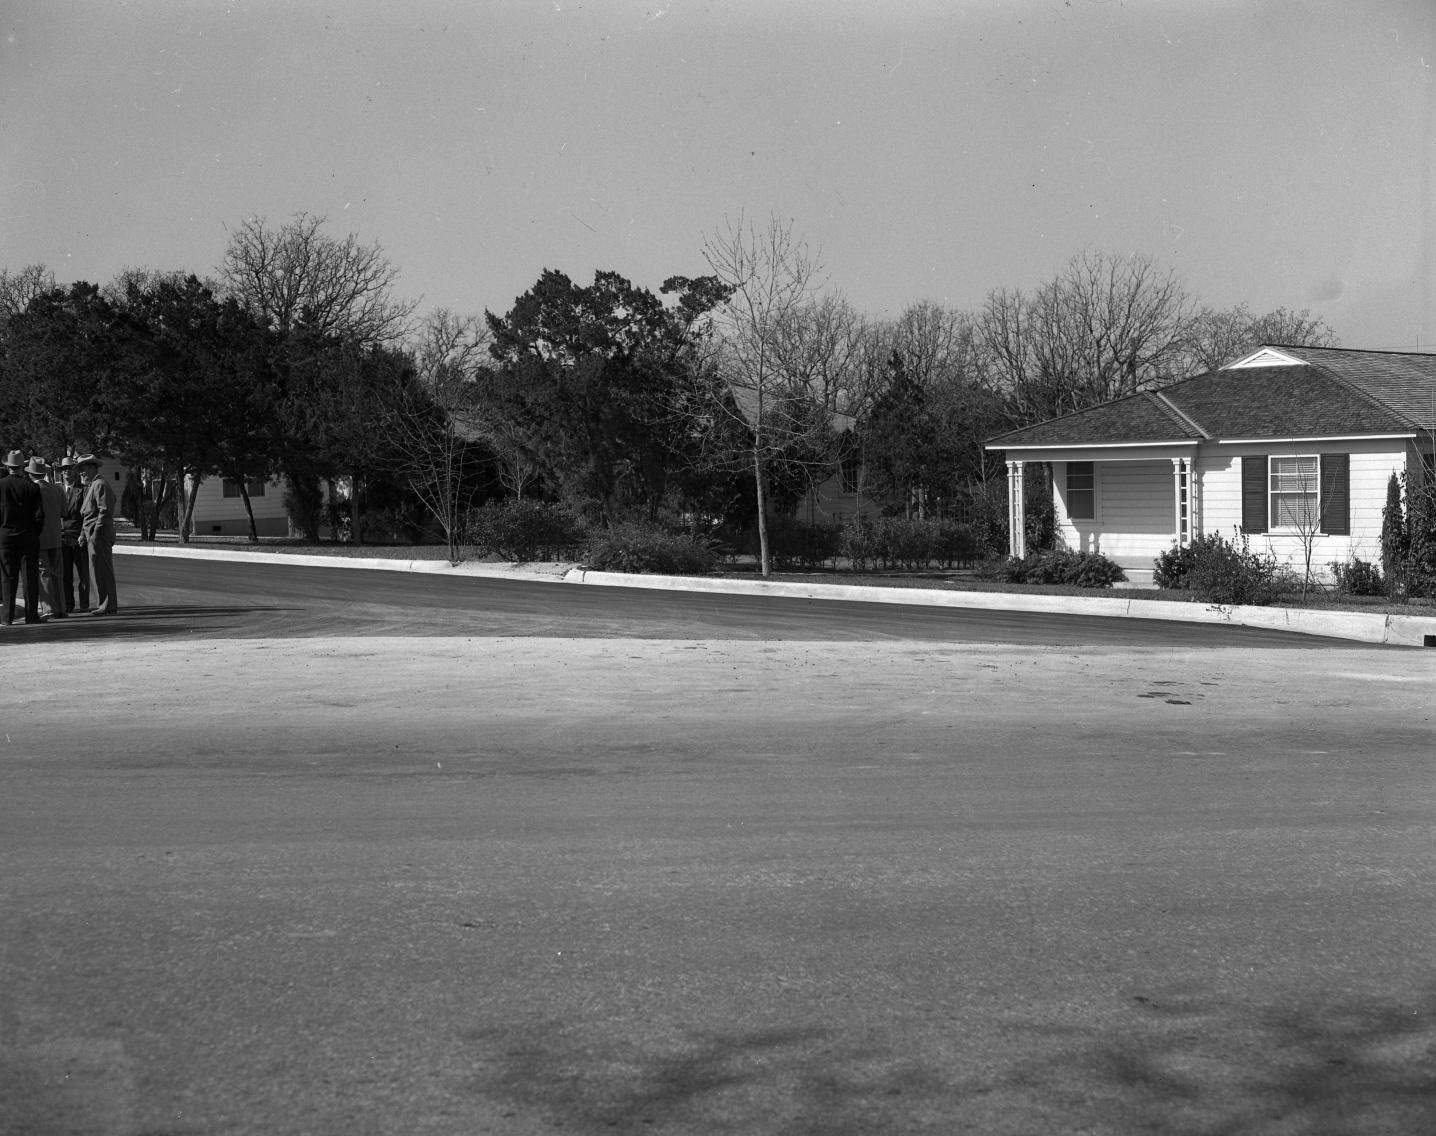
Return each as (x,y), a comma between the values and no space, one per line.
(1183,496)
(1194,504)
(1016,516)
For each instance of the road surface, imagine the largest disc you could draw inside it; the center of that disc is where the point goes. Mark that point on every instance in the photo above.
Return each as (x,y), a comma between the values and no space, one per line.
(859,876)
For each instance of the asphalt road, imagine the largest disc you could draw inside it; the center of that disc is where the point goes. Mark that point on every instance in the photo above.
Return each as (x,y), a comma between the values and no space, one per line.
(856,877)
(166,597)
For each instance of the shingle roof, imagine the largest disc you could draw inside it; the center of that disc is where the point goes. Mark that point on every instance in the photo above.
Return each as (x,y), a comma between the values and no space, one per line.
(1336,392)
(1403,381)
(1136,418)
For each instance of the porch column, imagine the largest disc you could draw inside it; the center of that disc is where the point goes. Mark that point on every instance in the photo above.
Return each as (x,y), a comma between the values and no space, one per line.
(1181,499)
(1016,516)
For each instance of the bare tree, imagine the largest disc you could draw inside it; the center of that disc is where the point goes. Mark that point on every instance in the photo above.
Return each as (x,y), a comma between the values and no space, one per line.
(772,277)
(1216,338)
(298,274)
(1104,327)
(18,288)
(433,425)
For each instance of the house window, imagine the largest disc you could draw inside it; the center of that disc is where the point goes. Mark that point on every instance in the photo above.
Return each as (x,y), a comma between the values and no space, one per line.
(255,485)
(1081,491)
(852,470)
(1295,496)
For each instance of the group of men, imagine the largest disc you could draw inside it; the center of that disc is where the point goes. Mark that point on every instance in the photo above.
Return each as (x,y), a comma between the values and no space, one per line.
(55,537)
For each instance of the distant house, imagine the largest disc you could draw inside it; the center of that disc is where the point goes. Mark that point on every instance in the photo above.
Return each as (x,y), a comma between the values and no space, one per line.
(219,507)
(1287,444)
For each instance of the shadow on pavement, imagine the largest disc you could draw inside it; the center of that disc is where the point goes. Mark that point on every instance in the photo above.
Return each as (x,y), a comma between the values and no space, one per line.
(1223,1069)
(139,622)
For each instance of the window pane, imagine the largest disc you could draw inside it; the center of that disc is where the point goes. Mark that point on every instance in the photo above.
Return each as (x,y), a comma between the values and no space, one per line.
(1081,504)
(1294,498)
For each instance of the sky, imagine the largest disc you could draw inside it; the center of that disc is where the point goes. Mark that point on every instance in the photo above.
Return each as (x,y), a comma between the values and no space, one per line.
(1269,152)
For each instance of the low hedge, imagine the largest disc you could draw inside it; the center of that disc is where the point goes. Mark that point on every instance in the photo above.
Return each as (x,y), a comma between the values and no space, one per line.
(641,548)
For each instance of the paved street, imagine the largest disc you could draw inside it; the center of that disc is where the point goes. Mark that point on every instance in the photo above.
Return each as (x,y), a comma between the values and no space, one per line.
(873,872)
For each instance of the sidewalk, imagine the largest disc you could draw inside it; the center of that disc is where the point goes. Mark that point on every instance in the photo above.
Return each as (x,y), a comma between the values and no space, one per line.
(1396,630)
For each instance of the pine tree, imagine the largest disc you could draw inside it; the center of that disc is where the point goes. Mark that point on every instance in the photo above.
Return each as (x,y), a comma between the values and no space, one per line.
(1394,539)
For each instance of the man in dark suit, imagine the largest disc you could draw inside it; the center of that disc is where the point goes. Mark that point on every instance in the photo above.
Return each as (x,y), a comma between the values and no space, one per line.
(22,516)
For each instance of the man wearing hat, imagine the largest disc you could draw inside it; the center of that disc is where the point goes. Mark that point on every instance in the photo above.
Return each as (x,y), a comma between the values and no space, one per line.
(54,499)
(97,534)
(22,516)
(72,554)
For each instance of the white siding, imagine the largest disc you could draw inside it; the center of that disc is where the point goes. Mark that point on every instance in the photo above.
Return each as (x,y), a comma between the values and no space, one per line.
(1372,463)
(216,513)
(1136,518)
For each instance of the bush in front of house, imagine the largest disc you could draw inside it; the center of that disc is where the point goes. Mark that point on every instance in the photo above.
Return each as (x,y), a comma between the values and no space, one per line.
(1063,566)
(1220,571)
(524,530)
(1172,567)
(643,548)
(1359,577)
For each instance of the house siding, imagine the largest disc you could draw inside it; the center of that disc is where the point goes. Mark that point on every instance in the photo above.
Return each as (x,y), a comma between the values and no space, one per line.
(216,514)
(827,502)
(1135,516)
(1371,465)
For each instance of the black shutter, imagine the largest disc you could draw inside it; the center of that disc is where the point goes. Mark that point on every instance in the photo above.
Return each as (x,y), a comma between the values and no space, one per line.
(1336,494)
(1254,494)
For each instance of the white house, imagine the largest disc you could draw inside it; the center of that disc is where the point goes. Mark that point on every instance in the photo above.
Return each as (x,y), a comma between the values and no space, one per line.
(1287,445)
(219,507)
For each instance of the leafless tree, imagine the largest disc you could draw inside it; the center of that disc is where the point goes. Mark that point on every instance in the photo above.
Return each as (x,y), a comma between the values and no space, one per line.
(18,288)
(1216,338)
(433,425)
(1104,327)
(298,273)
(773,277)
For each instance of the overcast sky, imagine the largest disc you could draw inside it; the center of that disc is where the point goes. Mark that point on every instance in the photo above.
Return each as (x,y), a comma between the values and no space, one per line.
(1270,152)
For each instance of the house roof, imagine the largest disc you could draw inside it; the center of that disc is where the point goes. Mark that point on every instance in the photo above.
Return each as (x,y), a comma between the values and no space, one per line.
(1322,392)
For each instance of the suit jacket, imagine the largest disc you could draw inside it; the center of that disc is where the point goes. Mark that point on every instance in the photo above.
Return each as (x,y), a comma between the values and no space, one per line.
(97,512)
(22,511)
(54,498)
(70,518)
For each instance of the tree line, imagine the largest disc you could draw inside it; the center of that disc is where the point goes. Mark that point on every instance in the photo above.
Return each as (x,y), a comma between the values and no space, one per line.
(725,396)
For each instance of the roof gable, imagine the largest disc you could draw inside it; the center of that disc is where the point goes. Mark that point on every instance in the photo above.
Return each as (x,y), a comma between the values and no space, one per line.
(1264,357)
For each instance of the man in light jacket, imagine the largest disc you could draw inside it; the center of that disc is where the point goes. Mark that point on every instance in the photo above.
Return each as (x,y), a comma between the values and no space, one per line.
(72,553)
(97,534)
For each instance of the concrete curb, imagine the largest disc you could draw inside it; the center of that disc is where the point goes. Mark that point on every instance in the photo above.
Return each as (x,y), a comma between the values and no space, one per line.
(1396,630)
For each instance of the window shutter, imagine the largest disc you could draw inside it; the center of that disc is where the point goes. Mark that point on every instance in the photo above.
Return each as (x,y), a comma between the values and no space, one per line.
(1254,494)
(1336,494)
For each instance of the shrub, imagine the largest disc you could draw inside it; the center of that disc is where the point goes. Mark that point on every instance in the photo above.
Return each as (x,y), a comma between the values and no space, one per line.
(955,543)
(906,543)
(858,543)
(1173,567)
(1359,578)
(640,548)
(1228,572)
(1063,566)
(524,530)
(807,544)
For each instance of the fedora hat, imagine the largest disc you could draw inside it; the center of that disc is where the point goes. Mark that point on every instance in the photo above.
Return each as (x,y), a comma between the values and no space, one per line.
(87,459)
(66,463)
(37,467)
(15,459)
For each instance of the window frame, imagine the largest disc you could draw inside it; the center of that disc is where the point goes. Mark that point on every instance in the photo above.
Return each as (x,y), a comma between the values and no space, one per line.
(1096,515)
(254,485)
(1272,524)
